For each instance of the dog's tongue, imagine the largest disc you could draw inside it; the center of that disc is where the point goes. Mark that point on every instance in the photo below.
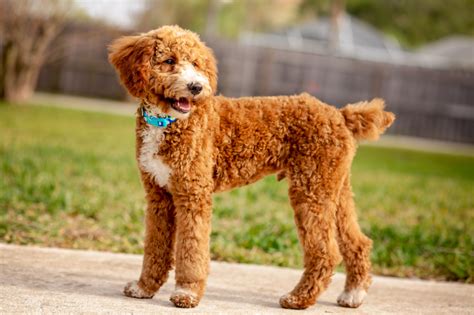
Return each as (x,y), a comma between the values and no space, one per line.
(183,104)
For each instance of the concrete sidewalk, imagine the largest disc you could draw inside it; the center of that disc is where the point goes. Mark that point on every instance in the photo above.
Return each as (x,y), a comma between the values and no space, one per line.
(49,280)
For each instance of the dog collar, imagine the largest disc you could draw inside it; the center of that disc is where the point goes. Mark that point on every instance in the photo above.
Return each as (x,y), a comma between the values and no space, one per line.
(162,121)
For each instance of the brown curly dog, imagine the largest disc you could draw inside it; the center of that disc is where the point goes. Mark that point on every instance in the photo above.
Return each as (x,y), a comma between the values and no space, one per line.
(191,143)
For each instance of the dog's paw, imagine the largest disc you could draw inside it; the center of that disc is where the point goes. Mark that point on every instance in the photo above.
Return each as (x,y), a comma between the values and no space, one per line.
(352,298)
(133,290)
(184,298)
(295,302)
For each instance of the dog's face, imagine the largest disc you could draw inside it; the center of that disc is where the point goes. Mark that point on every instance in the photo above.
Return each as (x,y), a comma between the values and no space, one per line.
(170,69)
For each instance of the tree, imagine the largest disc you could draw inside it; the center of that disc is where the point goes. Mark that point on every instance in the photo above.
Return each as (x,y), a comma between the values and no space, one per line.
(190,14)
(27,27)
(412,22)
(415,23)
(227,18)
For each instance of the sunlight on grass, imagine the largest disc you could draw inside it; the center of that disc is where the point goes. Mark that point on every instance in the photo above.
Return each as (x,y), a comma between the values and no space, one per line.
(68,179)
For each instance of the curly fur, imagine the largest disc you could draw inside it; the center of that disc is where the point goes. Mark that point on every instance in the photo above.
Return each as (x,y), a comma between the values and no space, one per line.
(223,143)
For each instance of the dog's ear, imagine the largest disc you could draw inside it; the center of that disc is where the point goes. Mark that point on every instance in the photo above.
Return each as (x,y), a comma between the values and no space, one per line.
(211,69)
(131,56)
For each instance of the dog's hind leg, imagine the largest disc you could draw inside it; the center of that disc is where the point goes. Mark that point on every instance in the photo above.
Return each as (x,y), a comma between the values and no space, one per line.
(314,188)
(158,257)
(355,248)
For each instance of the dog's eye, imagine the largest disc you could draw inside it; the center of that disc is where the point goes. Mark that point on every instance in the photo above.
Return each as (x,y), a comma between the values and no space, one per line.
(169,61)
(195,64)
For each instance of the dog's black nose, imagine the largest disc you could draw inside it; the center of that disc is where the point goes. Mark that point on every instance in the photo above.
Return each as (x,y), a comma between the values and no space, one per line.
(195,88)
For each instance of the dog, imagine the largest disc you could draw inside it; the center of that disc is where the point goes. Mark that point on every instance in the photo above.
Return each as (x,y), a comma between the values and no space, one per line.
(191,143)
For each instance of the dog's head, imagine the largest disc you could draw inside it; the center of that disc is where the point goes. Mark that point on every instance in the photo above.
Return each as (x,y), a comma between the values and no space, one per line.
(168,68)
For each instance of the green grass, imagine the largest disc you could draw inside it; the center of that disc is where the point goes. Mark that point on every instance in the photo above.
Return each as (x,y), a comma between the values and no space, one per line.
(68,179)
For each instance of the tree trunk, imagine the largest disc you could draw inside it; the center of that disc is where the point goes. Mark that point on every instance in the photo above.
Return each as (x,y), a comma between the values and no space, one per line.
(19,76)
(26,36)
(22,90)
(337,10)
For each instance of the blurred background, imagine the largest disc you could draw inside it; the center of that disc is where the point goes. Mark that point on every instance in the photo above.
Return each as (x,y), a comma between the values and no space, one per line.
(418,55)
(68,177)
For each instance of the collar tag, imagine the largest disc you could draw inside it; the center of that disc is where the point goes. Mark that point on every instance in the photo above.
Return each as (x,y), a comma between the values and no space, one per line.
(157,121)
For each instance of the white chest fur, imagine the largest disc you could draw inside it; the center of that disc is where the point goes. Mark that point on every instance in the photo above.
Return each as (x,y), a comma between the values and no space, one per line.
(149,160)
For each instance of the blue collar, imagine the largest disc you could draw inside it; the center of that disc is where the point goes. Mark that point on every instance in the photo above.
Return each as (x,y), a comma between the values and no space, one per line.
(157,121)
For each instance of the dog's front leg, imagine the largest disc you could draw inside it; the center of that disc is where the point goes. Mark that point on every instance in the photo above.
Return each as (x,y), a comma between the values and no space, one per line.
(193,227)
(158,258)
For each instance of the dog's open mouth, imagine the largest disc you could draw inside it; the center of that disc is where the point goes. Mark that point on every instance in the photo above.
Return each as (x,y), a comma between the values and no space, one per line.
(181,104)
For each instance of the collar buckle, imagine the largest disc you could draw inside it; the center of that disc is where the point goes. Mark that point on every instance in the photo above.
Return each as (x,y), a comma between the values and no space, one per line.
(157,121)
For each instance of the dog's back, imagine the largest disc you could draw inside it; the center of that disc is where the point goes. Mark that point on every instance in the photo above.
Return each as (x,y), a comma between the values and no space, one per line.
(258,136)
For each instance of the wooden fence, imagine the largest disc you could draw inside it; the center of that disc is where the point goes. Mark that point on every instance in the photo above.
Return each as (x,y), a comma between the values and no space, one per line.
(82,67)
(429,102)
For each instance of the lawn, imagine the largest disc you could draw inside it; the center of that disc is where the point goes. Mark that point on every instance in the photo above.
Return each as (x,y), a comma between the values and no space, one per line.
(68,179)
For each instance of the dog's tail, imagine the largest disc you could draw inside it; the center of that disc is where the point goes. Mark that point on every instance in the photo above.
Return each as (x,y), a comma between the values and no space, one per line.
(367,120)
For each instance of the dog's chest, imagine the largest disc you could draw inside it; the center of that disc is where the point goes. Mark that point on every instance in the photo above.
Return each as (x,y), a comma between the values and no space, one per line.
(149,160)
